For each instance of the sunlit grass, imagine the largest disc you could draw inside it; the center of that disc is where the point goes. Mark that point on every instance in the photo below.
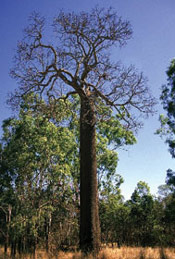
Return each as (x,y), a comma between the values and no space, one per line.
(105,253)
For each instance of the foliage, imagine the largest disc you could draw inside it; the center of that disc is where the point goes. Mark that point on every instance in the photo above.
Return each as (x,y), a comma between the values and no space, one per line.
(38,158)
(167,97)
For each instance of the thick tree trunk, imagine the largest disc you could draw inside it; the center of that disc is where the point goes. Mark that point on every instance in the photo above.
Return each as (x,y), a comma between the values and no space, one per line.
(89,216)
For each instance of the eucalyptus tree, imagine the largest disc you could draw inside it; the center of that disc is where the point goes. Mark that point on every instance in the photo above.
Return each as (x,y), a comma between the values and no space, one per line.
(167,130)
(167,98)
(168,207)
(75,60)
(142,216)
(37,159)
(111,210)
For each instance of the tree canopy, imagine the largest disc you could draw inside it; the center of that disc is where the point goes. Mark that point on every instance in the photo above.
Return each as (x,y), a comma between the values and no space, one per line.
(78,60)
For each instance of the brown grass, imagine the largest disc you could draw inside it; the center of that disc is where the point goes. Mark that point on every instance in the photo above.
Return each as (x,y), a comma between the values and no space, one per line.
(116,253)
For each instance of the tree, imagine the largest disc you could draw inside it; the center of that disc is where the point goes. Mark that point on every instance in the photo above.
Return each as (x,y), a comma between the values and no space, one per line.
(113,212)
(167,98)
(169,206)
(37,158)
(167,201)
(142,217)
(167,130)
(78,63)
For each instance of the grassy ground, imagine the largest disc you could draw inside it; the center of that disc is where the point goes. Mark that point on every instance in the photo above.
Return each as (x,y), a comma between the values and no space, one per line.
(116,253)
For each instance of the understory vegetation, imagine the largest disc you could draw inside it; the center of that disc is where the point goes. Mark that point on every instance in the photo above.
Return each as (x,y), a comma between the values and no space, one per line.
(105,253)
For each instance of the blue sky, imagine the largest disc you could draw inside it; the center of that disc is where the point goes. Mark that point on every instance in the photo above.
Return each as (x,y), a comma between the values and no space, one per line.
(151,49)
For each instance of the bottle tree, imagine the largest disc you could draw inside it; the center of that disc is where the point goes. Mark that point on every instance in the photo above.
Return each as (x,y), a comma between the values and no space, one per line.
(75,60)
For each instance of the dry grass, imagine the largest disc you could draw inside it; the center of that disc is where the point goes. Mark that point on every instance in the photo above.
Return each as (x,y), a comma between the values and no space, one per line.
(116,253)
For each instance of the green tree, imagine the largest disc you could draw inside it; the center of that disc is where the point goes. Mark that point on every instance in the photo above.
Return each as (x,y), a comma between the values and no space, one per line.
(142,217)
(113,213)
(167,97)
(37,158)
(168,202)
(167,130)
(78,63)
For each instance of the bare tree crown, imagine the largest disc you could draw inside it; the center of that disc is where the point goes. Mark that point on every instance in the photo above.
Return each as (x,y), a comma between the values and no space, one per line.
(78,62)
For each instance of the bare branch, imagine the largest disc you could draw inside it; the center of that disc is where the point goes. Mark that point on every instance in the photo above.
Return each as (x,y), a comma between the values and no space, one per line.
(81,62)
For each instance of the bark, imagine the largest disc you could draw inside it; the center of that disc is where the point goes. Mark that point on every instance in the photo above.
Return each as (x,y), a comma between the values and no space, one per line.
(89,216)
(8,220)
(13,249)
(47,232)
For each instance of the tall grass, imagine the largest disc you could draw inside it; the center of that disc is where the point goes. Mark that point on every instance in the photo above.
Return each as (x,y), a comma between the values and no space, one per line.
(106,253)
